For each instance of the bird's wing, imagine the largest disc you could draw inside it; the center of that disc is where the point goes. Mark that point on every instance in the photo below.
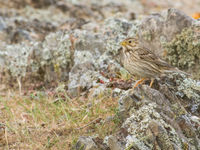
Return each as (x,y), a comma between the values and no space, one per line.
(149,56)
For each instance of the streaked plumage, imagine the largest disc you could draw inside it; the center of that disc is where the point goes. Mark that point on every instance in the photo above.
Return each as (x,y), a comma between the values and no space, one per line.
(142,62)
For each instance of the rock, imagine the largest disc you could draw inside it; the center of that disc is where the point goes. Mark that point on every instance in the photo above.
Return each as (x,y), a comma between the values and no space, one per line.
(35,44)
(112,143)
(86,143)
(162,27)
(49,61)
(115,31)
(85,73)
(126,103)
(74,23)
(100,90)
(2,24)
(89,41)
(20,29)
(53,57)
(184,50)
(90,143)
(14,59)
(56,51)
(81,78)
(161,118)
(19,36)
(41,4)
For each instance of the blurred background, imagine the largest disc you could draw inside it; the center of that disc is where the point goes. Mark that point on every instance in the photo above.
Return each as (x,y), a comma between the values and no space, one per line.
(43,16)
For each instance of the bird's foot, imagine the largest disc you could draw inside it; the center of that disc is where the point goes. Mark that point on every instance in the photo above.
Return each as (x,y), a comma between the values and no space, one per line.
(139,82)
(152,80)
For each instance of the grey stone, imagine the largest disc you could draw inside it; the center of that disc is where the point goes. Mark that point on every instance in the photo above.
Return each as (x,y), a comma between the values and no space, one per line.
(89,41)
(53,56)
(162,27)
(113,143)
(14,58)
(81,78)
(20,35)
(86,143)
(2,24)
(153,118)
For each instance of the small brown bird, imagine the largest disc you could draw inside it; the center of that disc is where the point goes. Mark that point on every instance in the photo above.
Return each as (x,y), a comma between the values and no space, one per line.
(143,63)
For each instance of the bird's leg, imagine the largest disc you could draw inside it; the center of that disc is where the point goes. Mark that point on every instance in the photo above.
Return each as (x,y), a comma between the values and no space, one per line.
(139,82)
(152,80)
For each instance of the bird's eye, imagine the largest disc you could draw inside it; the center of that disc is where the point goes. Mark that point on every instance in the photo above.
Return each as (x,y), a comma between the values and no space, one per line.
(129,41)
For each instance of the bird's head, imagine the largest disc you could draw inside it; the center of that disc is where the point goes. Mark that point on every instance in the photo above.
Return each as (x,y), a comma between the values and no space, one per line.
(129,43)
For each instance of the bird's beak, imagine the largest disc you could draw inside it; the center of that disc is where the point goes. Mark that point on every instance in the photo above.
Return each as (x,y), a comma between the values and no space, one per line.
(123,43)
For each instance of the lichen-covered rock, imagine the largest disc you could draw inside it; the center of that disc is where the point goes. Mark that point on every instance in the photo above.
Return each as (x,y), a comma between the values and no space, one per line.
(89,41)
(161,118)
(162,27)
(113,143)
(82,77)
(83,74)
(2,24)
(49,60)
(116,30)
(174,36)
(53,57)
(184,50)
(93,57)
(90,143)
(86,72)
(14,59)
(86,143)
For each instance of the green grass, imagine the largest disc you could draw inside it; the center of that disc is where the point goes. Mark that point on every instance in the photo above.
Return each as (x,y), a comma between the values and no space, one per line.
(54,121)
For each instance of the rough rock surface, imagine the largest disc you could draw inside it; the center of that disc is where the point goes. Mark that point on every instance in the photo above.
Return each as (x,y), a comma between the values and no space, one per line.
(174,36)
(162,27)
(86,143)
(184,50)
(163,117)
(90,143)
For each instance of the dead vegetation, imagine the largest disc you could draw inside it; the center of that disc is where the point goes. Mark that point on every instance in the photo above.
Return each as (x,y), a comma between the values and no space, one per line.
(49,120)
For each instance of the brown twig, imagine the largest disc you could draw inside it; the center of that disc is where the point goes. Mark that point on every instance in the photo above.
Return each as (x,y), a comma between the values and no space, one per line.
(72,48)
(93,121)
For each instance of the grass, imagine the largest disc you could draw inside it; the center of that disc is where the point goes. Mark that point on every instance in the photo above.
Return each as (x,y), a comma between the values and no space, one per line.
(42,120)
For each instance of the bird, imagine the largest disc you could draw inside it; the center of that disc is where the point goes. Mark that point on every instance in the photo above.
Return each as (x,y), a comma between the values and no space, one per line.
(143,63)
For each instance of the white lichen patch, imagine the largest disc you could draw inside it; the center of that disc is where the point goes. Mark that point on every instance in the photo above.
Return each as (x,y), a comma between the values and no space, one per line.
(56,49)
(132,139)
(138,125)
(82,57)
(188,87)
(15,59)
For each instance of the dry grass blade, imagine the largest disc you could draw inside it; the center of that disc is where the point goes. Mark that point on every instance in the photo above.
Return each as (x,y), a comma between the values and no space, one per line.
(39,122)
(97,120)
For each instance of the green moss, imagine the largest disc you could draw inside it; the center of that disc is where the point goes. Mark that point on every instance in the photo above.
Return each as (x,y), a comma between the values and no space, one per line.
(184,50)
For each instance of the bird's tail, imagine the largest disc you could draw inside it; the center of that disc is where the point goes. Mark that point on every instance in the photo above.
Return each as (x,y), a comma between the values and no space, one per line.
(173,70)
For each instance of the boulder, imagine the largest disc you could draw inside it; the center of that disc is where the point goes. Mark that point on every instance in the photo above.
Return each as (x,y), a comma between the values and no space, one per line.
(163,117)
(162,27)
